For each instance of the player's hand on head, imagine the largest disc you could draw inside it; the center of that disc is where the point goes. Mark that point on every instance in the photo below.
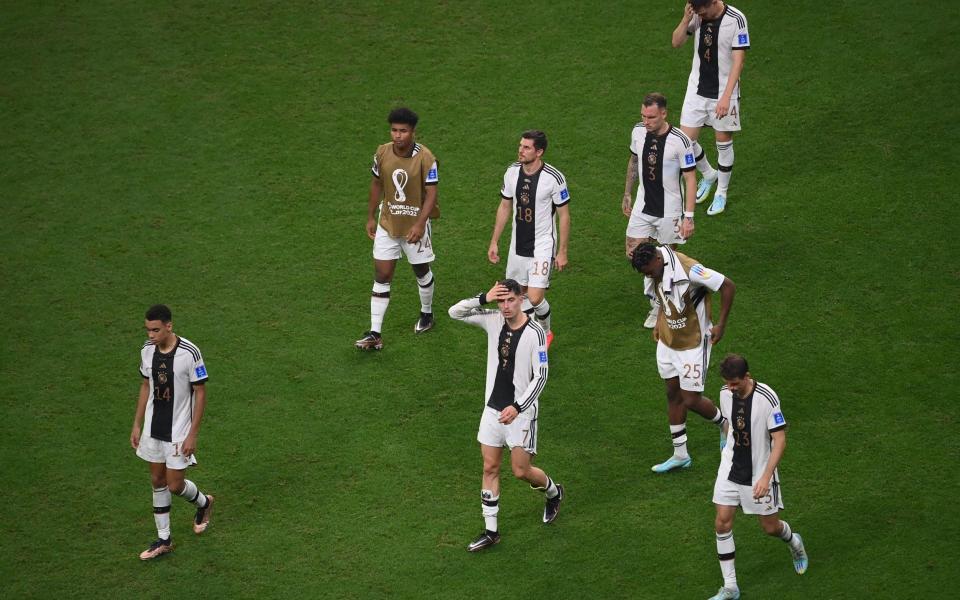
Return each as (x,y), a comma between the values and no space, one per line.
(497,292)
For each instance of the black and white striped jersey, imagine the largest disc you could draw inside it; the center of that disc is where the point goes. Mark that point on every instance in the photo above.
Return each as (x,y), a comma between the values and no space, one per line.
(516,359)
(535,200)
(660,160)
(714,43)
(172,376)
(752,420)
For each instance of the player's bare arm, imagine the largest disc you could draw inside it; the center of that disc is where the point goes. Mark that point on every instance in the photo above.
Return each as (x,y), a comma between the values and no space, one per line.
(376,192)
(140,412)
(762,487)
(503,215)
(563,219)
(429,201)
(736,67)
(679,37)
(200,403)
(632,174)
(690,198)
(727,291)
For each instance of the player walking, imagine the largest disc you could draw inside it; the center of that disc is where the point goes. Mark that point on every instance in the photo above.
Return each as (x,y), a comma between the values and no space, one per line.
(533,191)
(516,376)
(172,398)
(748,477)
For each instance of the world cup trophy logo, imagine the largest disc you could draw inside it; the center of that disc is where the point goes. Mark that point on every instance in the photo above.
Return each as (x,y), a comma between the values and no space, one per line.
(400,179)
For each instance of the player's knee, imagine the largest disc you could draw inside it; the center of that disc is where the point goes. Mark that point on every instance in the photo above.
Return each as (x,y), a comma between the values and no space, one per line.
(521,471)
(771,526)
(158,481)
(491,469)
(535,295)
(723,524)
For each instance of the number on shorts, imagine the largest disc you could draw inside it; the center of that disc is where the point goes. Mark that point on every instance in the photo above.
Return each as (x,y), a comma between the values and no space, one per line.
(540,268)
(526,434)
(691,371)
(176,448)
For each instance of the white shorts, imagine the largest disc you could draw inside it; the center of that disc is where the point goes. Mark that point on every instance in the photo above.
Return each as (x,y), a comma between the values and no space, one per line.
(699,111)
(665,230)
(530,271)
(728,493)
(689,365)
(389,248)
(522,433)
(157,451)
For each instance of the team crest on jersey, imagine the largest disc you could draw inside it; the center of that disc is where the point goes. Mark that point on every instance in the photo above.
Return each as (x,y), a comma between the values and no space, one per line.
(701,272)
(162,377)
(543,357)
(741,423)
(708,40)
(778,418)
(742,38)
(201,371)
(652,158)
(564,194)
(524,198)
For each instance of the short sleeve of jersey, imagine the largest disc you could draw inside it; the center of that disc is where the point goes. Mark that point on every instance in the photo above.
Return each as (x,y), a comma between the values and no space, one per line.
(143,365)
(505,194)
(775,419)
(686,158)
(637,138)
(375,168)
(706,277)
(694,24)
(432,177)
(741,40)
(561,195)
(198,372)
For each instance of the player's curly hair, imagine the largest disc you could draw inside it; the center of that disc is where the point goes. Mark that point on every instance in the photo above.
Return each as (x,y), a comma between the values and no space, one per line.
(642,255)
(733,366)
(159,312)
(699,3)
(403,115)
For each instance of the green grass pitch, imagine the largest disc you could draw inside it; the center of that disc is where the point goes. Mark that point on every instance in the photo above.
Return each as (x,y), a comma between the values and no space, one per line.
(214,156)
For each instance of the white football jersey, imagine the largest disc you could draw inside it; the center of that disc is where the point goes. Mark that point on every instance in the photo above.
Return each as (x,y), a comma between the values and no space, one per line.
(752,420)
(714,43)
(660,160)
(535,200)
(516,360)
(171,376)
